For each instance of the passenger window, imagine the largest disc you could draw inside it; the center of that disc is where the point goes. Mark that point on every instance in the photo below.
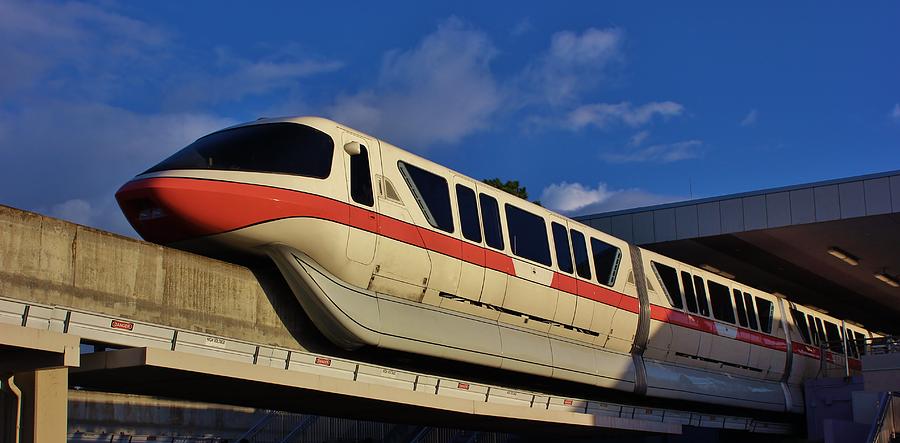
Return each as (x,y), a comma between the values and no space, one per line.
(751,311)
(741,312)
(765,309)
(490,221)
(431,193)
(701,296)
(721,302)
(813,333)
(800,324)
(823,340)
(527,235)
(861,343)
(361,178)
(606,261)
(851,344)
(561,244)
(835,341)
(468,213)
(669,279)
(689,296)
(582,262)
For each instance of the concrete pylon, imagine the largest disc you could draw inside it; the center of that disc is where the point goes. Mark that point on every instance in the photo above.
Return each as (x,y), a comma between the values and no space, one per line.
(44,397)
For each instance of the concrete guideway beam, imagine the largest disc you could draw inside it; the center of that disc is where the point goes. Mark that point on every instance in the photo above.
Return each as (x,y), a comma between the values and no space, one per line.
(180,375)
(54,262)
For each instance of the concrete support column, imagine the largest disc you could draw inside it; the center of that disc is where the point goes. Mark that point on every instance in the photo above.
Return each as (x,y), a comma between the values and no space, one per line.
(44,405)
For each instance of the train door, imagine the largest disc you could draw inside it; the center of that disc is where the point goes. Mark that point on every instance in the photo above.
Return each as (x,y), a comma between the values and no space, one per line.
(493,291)
(402,266)
(362,161)
(471,277)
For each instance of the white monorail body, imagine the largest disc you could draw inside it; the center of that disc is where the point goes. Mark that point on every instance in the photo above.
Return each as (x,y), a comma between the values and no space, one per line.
(384,248)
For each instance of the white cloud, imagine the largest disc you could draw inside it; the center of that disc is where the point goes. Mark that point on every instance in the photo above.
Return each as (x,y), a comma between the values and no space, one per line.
(604,115)
(438,92)
(750,118)
(573,63)
(233,78)
(53,45)
(575,198)
(101,212)
(662,153)
(638,138)
(523,27)
(83,152)
(895,113)
(75,210)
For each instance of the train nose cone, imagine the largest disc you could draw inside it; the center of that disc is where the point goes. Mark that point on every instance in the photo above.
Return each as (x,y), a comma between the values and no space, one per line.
(165,211)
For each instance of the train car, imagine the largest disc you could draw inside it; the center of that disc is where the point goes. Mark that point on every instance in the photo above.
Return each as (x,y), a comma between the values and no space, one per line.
(384,248)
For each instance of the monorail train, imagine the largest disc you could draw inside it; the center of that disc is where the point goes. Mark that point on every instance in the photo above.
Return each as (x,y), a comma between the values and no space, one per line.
(384,248)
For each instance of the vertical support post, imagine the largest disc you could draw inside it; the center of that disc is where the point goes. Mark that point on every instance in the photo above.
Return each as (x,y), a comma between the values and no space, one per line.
(45,395)
(846,350)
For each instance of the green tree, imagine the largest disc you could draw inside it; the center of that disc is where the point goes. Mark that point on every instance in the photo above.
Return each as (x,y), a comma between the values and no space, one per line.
(511,186)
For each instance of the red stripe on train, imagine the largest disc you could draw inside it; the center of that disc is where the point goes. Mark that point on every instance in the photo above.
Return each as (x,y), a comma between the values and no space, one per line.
(208,207)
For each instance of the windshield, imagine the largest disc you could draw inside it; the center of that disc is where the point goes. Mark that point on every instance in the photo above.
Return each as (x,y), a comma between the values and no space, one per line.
(287,148)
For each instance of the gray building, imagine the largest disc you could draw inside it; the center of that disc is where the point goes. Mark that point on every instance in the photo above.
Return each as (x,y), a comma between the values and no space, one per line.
(834,244)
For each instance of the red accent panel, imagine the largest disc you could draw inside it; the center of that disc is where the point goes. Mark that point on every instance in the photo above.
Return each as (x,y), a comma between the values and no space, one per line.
(499,262)
(564,283)
(630,304)
(363,219)
(400,231)
(598,293)
(195,208)
(441,243)
(473,254)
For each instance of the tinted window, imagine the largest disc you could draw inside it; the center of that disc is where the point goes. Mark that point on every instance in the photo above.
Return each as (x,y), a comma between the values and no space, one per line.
(861,343)
(822,338)
(582,262)
(813,333)
(702,304)
(835,341)
(490,219)
(741,312)
(721,302)
(800,324)
(765,309)
(561,244)
(851,344)
(468,213)
(527,235)
(751,311)
(689,297)
(432,194)
(361,178)
(669,279)
(285,148)
(606,261)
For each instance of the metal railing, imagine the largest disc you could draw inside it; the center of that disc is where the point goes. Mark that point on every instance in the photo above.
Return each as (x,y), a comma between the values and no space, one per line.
(117,332)
(885,428)
(856,348)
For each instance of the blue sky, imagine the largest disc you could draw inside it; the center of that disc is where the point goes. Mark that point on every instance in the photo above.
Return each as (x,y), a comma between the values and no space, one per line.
(592,105)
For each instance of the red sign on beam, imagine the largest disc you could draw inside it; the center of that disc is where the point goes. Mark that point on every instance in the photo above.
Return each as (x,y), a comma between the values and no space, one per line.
(119,324)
